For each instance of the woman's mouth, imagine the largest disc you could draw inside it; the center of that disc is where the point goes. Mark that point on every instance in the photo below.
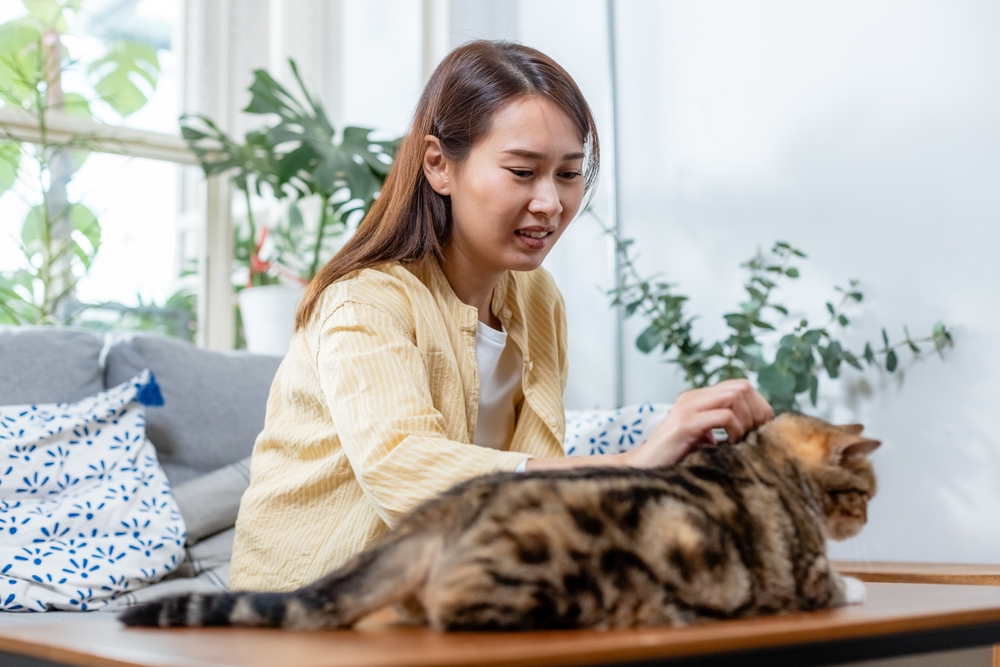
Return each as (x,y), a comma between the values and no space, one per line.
(534,239)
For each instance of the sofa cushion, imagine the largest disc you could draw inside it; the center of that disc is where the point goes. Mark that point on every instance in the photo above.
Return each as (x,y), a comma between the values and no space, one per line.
(209,504)
(214,401)
(49,365)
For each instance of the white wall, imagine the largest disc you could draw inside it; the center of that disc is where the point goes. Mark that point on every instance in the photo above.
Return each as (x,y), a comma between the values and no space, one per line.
(866,133)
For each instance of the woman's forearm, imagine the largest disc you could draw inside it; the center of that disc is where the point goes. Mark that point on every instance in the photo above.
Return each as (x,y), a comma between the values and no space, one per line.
(565,463)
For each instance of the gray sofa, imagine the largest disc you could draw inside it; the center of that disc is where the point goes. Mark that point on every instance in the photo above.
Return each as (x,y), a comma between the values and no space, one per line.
(213,410)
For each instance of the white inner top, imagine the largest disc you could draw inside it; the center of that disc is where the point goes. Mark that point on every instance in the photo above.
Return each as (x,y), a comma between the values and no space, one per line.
(499,387)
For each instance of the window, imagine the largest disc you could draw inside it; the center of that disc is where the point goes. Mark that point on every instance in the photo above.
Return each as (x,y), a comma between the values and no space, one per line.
(95,226)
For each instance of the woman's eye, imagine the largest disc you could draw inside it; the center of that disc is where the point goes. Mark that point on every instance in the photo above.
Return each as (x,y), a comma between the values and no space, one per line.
(570,175)
(521,173)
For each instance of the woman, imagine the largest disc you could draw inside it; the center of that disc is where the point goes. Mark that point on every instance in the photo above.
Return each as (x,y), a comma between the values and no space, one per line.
(432,348)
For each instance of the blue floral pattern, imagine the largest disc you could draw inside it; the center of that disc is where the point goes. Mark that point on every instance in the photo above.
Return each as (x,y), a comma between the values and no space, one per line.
(611,431)
(86,513)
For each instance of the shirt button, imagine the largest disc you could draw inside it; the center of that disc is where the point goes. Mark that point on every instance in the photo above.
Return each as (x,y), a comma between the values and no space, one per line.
(507,313)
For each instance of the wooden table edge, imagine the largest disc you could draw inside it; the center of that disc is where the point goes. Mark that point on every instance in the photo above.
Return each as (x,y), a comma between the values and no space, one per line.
(897,572)
(803,630)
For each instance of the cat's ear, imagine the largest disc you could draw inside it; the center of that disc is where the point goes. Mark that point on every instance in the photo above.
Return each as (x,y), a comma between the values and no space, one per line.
(849,448)
(853,429)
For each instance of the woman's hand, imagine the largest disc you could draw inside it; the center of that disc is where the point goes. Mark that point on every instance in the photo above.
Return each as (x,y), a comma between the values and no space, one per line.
(733,405)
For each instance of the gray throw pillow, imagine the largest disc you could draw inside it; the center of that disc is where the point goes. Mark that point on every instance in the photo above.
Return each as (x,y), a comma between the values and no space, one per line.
(209,504)
(214,401)
(48,365)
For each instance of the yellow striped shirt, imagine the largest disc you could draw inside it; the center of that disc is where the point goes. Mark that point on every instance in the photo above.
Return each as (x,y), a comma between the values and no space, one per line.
(373,411)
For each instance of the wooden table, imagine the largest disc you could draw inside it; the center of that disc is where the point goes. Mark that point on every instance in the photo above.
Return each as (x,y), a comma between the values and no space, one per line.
(897,619)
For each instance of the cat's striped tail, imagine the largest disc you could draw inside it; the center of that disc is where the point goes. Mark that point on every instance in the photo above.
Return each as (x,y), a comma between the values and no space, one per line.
(385,574)
(214,609)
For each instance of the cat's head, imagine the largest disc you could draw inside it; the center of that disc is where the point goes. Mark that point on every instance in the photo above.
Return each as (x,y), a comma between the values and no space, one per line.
(836,458)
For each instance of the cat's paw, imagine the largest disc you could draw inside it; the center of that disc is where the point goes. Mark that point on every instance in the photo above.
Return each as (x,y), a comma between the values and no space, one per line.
(855,591)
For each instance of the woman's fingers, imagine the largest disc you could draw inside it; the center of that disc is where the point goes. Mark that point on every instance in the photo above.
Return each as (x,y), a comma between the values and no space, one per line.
(704,421)
(748,407)
(762,410)
(734,406)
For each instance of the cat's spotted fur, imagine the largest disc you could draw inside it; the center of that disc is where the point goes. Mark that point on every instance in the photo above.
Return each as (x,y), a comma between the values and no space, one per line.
(733,531)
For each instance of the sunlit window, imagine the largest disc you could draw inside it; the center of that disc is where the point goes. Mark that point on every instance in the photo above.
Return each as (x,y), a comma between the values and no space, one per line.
(88,237)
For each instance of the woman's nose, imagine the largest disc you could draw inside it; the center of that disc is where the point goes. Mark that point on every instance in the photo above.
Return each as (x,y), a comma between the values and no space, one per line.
(546,199)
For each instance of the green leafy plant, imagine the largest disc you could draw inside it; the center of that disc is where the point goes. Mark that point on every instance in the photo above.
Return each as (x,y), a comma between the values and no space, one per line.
(298,155)
(59,238)
(784,372)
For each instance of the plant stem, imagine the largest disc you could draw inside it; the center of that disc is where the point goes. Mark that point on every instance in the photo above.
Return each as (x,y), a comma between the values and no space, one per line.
(318,248)
(252,243)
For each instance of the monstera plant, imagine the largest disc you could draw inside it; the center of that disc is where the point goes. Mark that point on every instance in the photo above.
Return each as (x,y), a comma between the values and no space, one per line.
(59,237)
(297,156)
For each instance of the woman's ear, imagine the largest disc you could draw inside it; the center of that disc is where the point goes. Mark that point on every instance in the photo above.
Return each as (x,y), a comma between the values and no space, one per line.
(436,166)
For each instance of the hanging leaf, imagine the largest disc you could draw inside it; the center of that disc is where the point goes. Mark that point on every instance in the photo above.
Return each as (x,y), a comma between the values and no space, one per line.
(117,76)
(843,320)
(10,160)
(869,354)
(851,359)
(813,389)
(775,381)
(34,230)
(792,272)
(19,62)
(85,223)
(891,361)
(648,339)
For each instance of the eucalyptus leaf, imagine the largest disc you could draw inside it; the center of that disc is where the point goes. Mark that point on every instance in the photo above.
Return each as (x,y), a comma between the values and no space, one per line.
(891,361)
(648,339)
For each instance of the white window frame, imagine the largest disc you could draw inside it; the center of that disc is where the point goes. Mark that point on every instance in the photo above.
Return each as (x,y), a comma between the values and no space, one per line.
(216,325)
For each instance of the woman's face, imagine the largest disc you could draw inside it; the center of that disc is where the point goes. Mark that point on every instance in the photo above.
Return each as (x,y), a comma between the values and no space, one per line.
(518,189)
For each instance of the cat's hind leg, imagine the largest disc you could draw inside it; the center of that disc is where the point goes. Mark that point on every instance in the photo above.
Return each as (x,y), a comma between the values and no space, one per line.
(390,573)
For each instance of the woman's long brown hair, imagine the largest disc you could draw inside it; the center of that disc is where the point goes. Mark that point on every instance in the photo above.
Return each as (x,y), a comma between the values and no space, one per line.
(409,220)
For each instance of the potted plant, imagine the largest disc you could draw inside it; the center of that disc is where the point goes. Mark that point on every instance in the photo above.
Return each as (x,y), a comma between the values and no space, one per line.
(325,179)
(783,373)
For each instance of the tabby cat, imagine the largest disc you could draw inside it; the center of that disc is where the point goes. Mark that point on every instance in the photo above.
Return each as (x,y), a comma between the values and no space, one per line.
(732,531)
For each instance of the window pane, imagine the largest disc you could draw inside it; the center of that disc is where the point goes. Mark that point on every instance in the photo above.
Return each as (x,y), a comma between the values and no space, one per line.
(143,273)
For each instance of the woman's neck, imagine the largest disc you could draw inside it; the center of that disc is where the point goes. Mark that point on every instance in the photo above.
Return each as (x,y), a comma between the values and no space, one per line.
(472,285)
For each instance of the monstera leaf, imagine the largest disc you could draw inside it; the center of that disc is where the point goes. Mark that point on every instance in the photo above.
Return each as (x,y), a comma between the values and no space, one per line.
(116,76)
(313,160)
(251,163)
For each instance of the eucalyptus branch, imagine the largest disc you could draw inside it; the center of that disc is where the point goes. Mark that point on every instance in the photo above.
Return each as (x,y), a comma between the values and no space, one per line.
(802,354)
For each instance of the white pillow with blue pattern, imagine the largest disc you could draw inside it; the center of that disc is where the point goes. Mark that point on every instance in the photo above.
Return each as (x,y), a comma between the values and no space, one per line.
(611,431)
(85,509)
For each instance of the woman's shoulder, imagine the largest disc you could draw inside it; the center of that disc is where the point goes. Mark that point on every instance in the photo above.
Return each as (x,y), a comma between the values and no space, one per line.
(389,287)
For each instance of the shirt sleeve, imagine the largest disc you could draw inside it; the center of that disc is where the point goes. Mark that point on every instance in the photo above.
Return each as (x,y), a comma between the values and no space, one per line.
(377,389)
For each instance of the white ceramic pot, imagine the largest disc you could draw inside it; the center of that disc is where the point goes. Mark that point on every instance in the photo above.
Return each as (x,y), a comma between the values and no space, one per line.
(269,317)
